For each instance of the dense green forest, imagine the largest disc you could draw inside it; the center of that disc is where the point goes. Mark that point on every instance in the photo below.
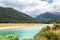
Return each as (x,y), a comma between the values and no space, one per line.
(49,33)
(10,15)
(51,21)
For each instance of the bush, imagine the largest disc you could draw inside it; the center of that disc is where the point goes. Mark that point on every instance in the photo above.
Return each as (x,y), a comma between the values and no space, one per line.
(48,34)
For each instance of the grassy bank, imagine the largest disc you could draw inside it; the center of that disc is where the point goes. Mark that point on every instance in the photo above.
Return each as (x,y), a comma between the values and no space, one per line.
(19,24)
(49,33)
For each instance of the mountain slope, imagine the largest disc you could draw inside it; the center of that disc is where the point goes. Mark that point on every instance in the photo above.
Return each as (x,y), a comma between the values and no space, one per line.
(10,15)
(48,16)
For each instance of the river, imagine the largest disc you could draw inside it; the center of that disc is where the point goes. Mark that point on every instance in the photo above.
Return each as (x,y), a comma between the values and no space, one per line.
(21,31)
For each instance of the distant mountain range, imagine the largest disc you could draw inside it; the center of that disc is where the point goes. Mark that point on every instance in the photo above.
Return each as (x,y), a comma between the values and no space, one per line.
(48,16)
(10,15)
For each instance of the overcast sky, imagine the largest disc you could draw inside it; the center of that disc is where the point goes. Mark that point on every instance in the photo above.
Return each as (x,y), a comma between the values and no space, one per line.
(32,7)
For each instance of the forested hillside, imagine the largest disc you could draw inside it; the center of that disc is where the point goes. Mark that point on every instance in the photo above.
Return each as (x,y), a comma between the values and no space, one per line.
(10,15)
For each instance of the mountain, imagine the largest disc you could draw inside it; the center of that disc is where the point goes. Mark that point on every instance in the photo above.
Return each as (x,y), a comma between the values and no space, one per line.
(10,15)
(48,16)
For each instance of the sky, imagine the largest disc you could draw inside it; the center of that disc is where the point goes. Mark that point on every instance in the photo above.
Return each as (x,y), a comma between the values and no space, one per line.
(32,7)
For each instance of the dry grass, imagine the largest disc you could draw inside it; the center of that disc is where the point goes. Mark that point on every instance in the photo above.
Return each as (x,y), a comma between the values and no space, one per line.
(19,24)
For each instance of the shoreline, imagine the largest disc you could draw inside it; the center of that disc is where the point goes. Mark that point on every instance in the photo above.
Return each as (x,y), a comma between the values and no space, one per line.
(17,26)
(22,24)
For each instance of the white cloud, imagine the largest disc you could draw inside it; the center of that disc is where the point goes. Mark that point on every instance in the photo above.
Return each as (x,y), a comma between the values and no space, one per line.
(32,7)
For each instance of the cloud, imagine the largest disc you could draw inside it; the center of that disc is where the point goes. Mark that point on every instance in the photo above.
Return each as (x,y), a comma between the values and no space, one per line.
(33,7)
(49,1)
